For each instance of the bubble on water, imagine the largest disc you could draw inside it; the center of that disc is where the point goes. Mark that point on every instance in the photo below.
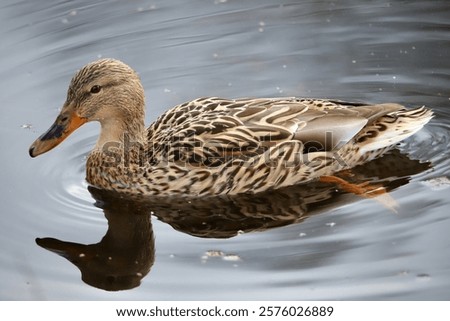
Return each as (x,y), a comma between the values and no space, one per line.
(26,126)
(331,224)
(302,234)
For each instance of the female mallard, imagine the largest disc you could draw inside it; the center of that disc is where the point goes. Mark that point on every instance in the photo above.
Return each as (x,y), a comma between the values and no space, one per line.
(219,146)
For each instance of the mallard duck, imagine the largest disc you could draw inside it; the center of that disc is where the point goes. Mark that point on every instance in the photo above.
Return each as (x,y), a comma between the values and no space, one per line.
(212,146)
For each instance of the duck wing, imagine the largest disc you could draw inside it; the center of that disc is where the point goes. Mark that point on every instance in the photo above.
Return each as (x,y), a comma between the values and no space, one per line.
(211,131)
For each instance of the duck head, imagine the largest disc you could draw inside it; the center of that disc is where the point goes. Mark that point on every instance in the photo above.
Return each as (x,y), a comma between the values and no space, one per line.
(107,91)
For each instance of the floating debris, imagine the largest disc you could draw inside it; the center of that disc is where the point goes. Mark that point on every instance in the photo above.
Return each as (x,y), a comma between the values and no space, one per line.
(423,277)
(220,254)
(438,183)
(214,253)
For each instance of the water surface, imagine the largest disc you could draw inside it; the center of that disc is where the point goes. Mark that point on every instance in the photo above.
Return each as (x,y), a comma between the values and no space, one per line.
(333,246)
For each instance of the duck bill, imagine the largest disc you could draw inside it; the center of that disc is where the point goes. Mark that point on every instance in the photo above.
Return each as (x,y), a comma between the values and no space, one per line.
(60,130)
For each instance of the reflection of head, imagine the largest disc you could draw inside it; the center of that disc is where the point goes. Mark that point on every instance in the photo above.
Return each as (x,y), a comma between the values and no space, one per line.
(124,255)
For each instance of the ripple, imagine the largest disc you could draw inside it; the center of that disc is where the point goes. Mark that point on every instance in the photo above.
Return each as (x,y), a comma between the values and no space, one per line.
(432,144)
(66,187)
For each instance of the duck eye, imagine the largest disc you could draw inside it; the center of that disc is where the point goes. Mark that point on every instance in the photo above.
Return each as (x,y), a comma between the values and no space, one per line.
(95,89)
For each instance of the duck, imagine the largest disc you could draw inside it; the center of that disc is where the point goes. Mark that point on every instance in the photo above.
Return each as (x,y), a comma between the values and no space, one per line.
(218,146)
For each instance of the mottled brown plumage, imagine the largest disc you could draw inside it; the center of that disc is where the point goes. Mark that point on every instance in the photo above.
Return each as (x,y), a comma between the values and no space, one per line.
(220,146)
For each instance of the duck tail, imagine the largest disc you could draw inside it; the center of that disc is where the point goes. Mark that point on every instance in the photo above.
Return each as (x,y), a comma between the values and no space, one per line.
(392,128)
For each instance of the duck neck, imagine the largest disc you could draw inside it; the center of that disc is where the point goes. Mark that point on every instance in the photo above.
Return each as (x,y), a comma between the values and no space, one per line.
(114,131)
(121,140)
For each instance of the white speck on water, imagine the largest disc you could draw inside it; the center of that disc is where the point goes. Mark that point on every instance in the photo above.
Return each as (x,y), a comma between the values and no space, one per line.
(394,77)
(353,61)
(73,13)
(284,66)
(167,90)
(302,234)
(110,258)
(215,55)
(172,256)
(26,126)
(261,26)
(99,55)
(65,20)
(231,257)
(403,273)
(81,255)
(331,224)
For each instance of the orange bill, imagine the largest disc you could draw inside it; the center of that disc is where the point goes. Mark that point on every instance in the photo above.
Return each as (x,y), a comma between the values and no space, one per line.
(63,126)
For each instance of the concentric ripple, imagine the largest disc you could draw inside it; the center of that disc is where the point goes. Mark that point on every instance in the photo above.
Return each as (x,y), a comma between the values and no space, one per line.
(65,178)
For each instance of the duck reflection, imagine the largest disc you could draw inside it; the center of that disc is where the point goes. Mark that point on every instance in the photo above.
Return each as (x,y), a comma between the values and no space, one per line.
(123,256)
(127,251)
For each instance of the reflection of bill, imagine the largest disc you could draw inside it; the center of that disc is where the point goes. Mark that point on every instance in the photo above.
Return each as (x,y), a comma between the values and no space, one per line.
(127,251)
(123,256)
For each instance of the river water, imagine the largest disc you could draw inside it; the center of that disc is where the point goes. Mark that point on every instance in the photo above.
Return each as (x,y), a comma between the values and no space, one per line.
(62,240)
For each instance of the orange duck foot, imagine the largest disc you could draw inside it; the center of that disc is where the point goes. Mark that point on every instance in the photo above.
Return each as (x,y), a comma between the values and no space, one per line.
(365,189)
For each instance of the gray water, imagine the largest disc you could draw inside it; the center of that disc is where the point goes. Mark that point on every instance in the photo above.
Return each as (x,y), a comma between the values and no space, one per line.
(283,246)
